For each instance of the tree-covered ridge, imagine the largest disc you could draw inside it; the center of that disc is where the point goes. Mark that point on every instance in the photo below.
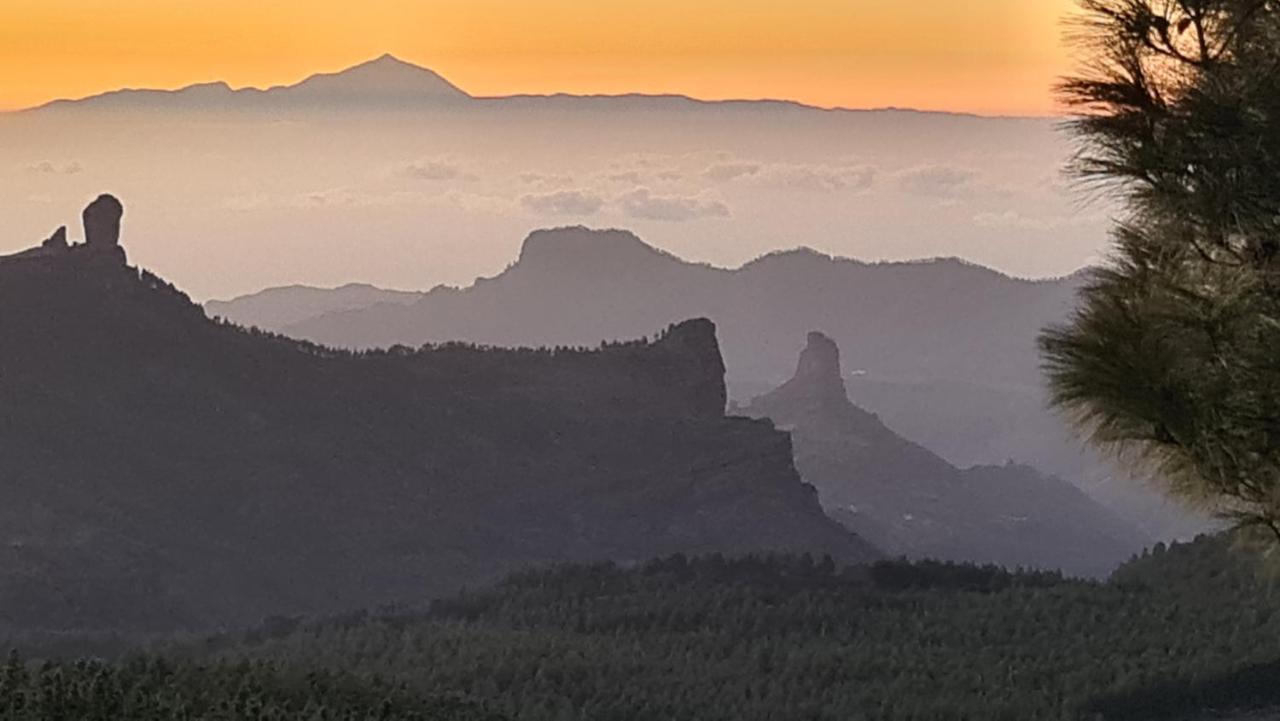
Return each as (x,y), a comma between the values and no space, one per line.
(794,637)
(152,689)
(1252,692)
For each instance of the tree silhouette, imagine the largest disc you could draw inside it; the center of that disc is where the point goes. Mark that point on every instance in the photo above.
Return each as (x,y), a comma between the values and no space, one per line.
(1171,360)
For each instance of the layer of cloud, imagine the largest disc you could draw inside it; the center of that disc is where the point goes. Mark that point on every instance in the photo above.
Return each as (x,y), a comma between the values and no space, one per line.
(564,202)
(475,202)
(350,198)
(642,203)
(48,167)
(546,180)
(324,198)
(821,178)
(814,177)
(436,169)
(630,177)
(1012,219)
(724,172)
(937,181)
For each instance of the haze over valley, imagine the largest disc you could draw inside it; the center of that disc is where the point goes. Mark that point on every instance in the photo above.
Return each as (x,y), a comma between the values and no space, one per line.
(388,174)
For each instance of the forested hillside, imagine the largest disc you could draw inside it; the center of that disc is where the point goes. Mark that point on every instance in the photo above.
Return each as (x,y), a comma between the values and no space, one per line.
(1184,633)
(153,689)
(799,638)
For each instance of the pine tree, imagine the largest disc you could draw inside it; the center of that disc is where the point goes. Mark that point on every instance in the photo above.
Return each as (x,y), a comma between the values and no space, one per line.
(1173,359)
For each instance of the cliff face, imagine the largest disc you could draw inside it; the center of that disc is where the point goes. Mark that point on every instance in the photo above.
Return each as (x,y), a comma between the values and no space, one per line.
(160,470)
(908,501)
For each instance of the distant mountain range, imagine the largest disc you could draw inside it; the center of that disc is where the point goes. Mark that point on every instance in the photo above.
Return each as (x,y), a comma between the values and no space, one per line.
(386,81)
(382,82)
(164,471)
(944,351)
(387,173)
(919,321)
(909,502)
(283,307)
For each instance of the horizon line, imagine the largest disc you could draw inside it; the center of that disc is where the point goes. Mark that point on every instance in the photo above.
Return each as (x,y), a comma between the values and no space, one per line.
(558,94)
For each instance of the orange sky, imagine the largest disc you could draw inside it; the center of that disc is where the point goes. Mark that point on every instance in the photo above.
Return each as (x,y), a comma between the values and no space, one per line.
(985,56)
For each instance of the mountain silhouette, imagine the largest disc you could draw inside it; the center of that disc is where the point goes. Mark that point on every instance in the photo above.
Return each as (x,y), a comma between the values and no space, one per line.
(972,323)
(910,502)
(282,307)
(164,471)
(944,350)
(385,82)
(388,81)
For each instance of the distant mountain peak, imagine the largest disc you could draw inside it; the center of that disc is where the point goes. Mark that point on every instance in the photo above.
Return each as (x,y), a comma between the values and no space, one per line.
(385,63)
(819,361)
(818,387)
(215,86)
(576,247)
(383,77)
(385,82)
(818,375)
(101,232)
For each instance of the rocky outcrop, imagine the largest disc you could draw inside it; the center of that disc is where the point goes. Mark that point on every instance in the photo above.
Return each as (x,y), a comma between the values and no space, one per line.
(819,361)
(694,367)
(818,381)
(102,222)
(587,251)
(908,501)
(56,242)
(101,231)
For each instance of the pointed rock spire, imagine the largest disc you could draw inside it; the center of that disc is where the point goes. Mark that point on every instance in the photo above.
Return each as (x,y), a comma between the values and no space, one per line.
(102,222)
(820,360)
(818,373)
(57,241)
(817,385)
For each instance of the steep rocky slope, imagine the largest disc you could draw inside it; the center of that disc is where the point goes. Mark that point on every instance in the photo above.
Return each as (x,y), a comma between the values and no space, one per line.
(909,501)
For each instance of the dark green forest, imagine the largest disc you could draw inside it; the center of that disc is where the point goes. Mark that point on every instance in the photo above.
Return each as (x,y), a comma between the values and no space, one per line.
(144,689)
(793,637)
(1181,633)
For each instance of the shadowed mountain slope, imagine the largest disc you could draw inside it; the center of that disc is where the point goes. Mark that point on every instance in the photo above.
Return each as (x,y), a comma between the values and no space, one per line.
(910,502)
(161,470)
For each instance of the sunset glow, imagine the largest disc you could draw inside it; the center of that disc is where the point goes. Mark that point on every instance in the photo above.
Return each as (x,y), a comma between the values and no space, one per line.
(984,56)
